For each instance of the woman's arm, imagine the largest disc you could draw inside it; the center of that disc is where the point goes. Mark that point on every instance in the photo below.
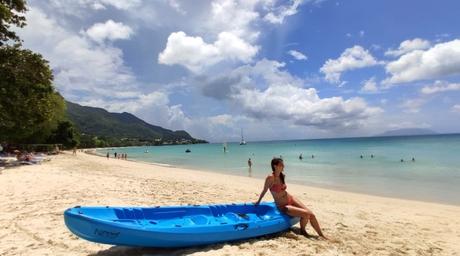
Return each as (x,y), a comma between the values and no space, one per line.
(268,183)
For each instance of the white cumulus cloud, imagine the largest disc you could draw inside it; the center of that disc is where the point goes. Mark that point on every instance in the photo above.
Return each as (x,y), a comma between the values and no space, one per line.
(79,65)
(223,119)
(81,8)
(413,105)
(119,4)
(110,30)
(440,86)
(265,91)
(195,54)
(352,58)
(441,60)
(297,55)
(369,86)
(277,15)
(234,16)
(303,106)
(409,46)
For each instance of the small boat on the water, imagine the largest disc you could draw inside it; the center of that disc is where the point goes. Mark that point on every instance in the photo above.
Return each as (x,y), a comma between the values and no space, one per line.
(242,142)
(188,150)
(175,226)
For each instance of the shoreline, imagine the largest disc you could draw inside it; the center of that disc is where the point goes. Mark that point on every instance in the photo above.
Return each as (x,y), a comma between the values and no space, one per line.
(93,152)
(35,197)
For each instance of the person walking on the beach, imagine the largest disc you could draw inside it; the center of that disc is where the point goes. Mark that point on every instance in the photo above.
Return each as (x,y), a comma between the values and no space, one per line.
(286,202)
(115,155)
(108,155)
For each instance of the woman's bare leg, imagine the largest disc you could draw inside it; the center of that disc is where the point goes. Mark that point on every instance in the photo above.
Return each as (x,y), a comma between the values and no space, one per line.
(299,212)
(311,216)
(298,203)
(315,225)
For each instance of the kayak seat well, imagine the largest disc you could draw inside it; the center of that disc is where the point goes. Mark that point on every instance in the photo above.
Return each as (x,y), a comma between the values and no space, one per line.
(232,216)
(129,213)
(150,214)
(200,220)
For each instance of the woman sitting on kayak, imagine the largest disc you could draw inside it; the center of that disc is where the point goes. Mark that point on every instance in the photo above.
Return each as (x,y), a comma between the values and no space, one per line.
(285,202)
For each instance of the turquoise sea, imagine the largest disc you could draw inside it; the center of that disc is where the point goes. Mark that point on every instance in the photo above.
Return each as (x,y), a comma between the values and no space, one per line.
(433,176)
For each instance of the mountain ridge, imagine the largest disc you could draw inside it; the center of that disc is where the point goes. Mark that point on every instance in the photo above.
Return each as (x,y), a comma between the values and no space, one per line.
(407,132)
(100,122)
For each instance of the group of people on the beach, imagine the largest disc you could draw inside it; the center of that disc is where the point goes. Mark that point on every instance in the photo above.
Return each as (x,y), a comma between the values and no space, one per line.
(122,156)
(17,157)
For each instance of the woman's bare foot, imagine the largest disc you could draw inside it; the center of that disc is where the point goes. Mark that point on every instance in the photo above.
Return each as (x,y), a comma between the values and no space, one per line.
(304,233)
(323,237)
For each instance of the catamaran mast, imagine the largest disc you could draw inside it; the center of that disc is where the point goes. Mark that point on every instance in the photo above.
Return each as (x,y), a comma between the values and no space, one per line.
(242,138)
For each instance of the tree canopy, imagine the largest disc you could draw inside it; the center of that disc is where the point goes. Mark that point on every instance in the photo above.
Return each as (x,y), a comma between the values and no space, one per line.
(10,14)
(30,108)
(65,134)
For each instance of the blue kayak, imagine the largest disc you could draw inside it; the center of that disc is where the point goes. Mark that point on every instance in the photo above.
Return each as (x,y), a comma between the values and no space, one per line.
(175,226)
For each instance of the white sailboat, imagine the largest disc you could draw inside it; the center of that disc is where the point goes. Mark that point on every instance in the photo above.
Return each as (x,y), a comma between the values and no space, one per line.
(242,142)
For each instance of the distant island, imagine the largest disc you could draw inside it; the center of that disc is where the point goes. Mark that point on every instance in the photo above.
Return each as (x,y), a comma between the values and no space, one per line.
(121,129)
(407,132)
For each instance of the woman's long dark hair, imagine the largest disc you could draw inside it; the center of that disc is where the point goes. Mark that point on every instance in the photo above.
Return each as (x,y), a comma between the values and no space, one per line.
(275,162)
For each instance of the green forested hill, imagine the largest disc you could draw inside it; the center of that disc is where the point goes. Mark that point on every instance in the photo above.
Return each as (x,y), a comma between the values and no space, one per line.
(99,122)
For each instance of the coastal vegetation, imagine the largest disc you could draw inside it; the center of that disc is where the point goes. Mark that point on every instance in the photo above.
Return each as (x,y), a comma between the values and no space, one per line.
(31,110)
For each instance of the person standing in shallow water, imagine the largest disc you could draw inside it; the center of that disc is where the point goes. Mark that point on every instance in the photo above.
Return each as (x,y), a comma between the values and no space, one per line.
(249,163)
(286,202)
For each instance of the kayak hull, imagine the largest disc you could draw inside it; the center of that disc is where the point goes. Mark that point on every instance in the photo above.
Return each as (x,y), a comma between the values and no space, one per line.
(175,226)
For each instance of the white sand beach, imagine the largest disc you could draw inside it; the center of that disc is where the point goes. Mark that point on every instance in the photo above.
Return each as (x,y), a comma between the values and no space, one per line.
(33,199)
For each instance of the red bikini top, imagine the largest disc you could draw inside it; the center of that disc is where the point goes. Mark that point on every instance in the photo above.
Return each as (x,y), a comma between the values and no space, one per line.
(277,187)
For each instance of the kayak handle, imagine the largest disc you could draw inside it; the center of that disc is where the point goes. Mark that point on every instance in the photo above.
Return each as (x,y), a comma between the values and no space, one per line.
(241,226)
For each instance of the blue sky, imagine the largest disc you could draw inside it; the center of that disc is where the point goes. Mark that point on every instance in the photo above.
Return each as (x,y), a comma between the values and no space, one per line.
(277,69)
